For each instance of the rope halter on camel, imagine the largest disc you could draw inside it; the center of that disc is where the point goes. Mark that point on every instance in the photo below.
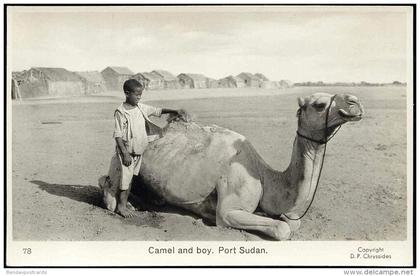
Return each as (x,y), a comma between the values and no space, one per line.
(322,142)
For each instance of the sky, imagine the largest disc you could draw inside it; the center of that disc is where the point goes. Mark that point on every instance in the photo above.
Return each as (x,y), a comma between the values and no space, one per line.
(293,43)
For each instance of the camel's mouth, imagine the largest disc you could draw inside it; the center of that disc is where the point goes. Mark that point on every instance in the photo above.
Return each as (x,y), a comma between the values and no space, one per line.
(349,108)
(351,116)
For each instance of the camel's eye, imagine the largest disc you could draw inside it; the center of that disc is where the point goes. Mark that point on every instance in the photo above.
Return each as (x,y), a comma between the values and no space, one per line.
(319,106)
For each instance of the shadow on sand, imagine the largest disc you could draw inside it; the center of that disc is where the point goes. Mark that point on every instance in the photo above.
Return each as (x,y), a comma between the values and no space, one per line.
(87,194)
(142,199)
(93,195)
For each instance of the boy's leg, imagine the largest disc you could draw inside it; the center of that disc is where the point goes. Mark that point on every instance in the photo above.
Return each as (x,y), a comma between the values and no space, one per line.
(125,184)
(122,208)
(129,205)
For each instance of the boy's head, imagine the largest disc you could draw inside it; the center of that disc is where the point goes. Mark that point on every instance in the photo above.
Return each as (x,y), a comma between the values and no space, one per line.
(133,90)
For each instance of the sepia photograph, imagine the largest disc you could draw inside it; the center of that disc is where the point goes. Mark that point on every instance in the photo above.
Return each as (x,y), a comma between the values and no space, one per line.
(209,135)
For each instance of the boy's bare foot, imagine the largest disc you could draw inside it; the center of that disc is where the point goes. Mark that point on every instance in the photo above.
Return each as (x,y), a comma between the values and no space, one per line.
(131,207)
(125,212)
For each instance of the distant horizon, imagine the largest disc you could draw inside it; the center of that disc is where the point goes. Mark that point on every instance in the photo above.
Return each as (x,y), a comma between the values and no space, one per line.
(300,44)
(234,75)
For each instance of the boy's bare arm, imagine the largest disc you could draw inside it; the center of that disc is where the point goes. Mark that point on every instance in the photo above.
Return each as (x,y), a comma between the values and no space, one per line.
(167,110)
(126,157)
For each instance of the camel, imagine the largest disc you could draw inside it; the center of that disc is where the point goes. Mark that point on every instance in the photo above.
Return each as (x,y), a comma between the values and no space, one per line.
(217,174)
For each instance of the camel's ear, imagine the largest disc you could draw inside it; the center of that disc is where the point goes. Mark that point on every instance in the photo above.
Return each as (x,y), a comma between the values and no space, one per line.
(301,102)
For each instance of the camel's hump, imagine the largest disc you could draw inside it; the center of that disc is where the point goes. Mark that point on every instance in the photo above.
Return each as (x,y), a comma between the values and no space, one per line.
(185,164)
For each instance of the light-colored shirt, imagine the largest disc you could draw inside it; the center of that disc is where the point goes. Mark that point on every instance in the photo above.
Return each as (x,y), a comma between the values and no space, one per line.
(130,125)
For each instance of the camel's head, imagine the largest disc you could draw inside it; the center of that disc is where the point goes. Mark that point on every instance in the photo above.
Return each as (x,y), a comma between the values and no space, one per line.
(314,109)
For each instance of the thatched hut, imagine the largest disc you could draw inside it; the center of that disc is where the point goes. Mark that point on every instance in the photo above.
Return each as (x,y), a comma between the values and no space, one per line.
(249,79)
(187,80)
(212,83)
(93,81)
(285,84)
(227,82)
(239,82)
(261,77)
(46,82)
(169,80)
(269,84)
(15,90)
(115,77)
(150,80)
(264,82)
(231,82)
(17,78)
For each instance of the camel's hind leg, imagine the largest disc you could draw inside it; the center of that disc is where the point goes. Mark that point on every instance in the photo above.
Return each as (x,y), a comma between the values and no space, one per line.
(237,200)
(205,209)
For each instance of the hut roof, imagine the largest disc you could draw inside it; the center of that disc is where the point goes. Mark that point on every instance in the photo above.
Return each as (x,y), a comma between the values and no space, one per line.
(18,75)
(121,70)
(151,76)
(233,78)
(261,77)
(91,76)
(249,75)
(57,74)
(238,79)
(197,77)
(166,75)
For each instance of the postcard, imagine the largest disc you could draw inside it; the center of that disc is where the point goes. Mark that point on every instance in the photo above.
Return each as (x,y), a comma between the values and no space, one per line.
(209,135)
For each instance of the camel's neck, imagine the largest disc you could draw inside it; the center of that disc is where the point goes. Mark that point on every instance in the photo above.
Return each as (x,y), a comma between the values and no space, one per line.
(303,171)
(292,190)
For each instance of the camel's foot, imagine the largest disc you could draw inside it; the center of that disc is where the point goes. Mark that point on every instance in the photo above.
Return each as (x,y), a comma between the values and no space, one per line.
(125,212)
(293,223)
(280,232)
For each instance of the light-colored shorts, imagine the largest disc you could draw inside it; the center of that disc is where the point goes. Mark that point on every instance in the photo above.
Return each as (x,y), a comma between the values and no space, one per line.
(118,173)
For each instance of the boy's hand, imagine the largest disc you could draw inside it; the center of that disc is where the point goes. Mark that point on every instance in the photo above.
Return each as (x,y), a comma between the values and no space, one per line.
(183,115)
(126,160)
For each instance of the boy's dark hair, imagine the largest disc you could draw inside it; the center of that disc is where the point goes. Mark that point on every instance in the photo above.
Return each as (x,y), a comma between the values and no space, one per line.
(131,84)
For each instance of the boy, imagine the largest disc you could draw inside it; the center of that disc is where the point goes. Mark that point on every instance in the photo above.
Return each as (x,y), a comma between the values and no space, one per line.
(131,139)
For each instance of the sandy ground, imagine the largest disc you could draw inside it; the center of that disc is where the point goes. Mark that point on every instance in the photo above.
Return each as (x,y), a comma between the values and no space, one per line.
(60,149)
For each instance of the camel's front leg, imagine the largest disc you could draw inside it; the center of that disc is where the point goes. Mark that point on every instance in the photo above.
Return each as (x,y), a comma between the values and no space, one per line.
(238,196)
(276,229)
(292,219)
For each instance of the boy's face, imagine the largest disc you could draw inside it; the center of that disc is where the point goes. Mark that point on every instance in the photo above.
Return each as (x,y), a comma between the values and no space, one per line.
(134,97)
